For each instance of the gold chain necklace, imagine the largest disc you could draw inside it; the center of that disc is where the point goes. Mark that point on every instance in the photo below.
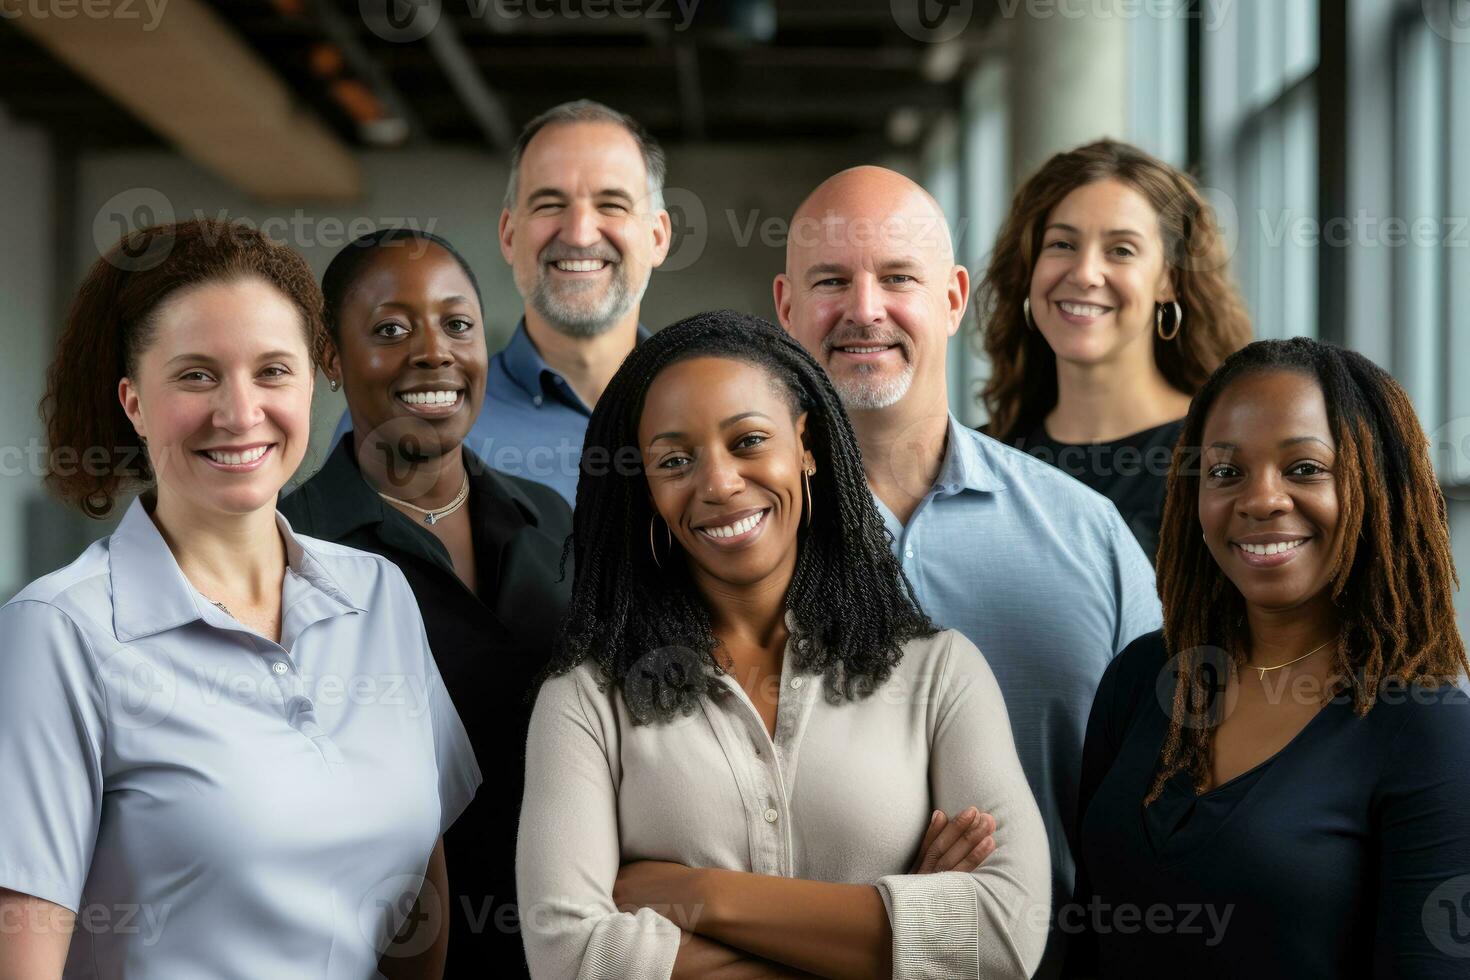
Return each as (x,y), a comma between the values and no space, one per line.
(1288,663)
(435,516)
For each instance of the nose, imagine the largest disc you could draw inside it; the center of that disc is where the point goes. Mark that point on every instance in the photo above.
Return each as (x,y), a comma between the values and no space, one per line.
(1263,497)
(864,300)
(431,348)
(1087,268)
(237,407)
(579,227)
(720,478)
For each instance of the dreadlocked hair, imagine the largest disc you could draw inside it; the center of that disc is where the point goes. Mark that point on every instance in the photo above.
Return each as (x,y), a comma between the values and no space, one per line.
(851,608)
(1394,576)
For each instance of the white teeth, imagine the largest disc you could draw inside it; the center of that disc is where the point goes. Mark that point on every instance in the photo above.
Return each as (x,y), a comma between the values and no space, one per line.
(739,527)
(580,265)
(1083,309)
(864,350)
(235,459)
(429,397)
(1275,548)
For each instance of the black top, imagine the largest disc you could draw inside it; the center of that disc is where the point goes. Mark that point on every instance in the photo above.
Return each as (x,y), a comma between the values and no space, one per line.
(489,652)
(1132,472)
(1346,854)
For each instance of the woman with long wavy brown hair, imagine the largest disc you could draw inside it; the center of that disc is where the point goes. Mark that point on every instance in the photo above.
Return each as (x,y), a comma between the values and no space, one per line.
(1107,303)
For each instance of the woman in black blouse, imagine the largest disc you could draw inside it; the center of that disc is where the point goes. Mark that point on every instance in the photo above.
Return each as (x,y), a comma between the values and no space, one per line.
(1274,785)
(1109,302)
(481,549)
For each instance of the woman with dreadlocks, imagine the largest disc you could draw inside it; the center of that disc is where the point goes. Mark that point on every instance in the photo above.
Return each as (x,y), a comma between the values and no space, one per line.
(1274,785)
(748,722)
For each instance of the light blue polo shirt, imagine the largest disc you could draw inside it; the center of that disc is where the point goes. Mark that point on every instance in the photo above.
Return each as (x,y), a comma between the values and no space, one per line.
(211,803)
(1043,576)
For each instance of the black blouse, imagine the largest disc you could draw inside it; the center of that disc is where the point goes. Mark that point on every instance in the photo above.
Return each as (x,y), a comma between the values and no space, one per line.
(1132,472)
(1346,854)
(489,647)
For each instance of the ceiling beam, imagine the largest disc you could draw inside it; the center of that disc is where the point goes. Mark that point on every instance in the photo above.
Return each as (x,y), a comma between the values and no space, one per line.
(187,76)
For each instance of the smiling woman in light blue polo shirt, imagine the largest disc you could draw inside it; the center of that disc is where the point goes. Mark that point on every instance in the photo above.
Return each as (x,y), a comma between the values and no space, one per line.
(225,750)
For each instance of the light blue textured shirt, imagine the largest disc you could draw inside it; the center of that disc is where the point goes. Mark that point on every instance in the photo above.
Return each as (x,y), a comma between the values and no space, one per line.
(209,802)
(1043,576)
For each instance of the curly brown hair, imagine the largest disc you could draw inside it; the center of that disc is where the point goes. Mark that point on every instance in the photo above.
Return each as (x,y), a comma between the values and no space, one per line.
(1023,382)
(94,453)
(1394,579)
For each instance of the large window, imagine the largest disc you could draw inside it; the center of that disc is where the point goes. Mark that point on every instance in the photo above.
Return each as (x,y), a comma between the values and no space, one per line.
(1258,124)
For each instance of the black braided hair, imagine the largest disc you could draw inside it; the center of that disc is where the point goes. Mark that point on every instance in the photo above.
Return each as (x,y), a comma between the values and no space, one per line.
(648,628)
(345,267)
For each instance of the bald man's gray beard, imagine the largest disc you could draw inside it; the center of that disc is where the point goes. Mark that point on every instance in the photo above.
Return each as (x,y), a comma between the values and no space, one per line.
(864,390)
(577,309)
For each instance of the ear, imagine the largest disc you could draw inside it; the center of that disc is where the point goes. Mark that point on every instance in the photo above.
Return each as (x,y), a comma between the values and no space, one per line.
(127,393)
(958,295)
(1166,292)
(663,236)
(506,234)
(332,361)
(781,292)
(808,460)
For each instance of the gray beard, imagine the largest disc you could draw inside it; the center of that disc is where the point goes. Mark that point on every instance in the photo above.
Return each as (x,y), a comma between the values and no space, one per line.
(869,393)
(563,311)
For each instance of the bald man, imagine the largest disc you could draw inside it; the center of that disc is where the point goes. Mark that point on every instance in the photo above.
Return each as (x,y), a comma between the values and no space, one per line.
(1034,567)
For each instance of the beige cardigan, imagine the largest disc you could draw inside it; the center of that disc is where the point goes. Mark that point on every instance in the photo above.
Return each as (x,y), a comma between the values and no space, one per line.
(844,795)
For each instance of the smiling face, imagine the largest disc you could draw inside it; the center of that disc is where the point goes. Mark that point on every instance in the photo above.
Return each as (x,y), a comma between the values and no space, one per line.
(1268,499)
(724,459)
(223,396)
(582,239)
(1100,274)
(410,349)
(871,288)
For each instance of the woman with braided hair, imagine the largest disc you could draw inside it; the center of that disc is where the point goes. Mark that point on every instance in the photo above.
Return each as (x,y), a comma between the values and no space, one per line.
(748,722)
(1276,781)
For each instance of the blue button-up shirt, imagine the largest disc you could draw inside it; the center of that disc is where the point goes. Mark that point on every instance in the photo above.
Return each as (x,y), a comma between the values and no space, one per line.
(532,424)
(1042,574)
(211,802)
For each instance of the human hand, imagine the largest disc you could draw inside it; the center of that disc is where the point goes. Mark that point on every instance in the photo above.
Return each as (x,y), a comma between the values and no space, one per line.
(961,844)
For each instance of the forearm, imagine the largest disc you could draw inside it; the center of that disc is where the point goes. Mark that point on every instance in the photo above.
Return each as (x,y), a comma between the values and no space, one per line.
(705,959)
(829,929)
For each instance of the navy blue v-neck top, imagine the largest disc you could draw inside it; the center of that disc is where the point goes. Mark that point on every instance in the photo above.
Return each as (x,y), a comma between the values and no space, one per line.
(1346,854)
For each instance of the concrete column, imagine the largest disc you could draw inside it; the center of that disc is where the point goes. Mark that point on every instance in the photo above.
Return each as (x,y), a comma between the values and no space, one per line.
(1068,77)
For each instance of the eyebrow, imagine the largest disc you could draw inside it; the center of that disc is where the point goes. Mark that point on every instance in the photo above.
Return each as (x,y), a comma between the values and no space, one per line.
(1112,231)
(446,301)
(1283,444)
(906,263)
(724,425)
(206,359)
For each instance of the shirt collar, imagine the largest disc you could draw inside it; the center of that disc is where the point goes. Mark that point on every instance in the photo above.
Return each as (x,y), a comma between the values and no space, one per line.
(965,465)
(525,365)
(150,593)
(348,502)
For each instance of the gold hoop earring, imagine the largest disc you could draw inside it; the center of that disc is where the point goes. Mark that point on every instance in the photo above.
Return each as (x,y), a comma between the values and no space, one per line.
(1159,321)
(806,480)
(1026,313)
(668,533)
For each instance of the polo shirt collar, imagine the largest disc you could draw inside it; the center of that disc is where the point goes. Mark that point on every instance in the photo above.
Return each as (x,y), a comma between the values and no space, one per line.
(525,365)
(150,593)
(965,465)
